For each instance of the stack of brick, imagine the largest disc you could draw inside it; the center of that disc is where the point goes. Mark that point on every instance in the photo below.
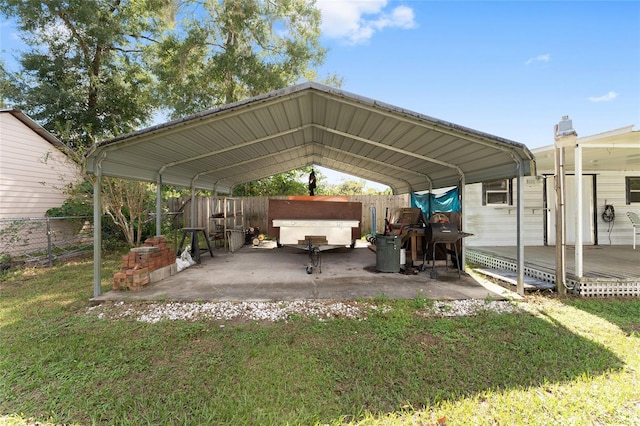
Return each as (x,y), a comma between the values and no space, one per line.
(140,261)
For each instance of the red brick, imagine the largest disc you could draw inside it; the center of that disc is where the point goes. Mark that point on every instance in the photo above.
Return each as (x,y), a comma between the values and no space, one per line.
(119,279)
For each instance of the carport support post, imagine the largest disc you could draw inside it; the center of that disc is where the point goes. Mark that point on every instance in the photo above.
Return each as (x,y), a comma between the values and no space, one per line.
(193,206)
(159,205)
(97,233)
(520,232)
(463,198)
(578,223)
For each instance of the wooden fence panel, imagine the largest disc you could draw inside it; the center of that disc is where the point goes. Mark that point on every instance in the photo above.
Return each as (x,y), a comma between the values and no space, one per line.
(255,211)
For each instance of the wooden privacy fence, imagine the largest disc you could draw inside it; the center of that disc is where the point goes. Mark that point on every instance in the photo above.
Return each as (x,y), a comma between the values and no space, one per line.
(253,211)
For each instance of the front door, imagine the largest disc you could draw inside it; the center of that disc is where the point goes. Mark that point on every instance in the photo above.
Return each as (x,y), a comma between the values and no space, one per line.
(588,227)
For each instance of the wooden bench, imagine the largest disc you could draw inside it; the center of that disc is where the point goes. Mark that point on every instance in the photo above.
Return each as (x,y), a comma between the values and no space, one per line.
(635,222)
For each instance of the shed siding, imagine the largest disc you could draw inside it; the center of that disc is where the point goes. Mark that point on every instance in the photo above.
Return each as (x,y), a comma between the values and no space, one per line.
(33,173)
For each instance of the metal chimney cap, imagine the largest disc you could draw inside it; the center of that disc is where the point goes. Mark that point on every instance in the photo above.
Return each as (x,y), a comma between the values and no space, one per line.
(565,127)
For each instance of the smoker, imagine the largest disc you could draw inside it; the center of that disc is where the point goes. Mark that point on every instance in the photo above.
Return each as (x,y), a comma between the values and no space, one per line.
(442,233)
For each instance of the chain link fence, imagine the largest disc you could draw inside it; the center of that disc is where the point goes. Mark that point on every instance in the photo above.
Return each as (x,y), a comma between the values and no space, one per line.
(41,241)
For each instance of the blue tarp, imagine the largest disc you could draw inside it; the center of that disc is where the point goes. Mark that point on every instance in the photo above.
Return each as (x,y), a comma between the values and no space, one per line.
(431,203)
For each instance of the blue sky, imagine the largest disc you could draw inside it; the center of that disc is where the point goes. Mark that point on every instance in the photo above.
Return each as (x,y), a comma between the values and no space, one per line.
(507,68)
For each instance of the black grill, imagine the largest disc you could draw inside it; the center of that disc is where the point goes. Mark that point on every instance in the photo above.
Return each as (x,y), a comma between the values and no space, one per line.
(442,233)
(446,232)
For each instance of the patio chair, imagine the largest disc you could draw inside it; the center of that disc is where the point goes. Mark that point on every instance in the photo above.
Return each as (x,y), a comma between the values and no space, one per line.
(635,223)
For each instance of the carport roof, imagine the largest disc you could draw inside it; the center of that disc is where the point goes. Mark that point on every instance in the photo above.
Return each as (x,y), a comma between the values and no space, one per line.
(310,125)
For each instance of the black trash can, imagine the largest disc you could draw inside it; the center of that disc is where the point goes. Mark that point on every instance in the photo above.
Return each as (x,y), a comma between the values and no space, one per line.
(387,253)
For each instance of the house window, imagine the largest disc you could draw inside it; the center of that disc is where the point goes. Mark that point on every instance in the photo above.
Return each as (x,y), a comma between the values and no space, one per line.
(497,192)
(632,189)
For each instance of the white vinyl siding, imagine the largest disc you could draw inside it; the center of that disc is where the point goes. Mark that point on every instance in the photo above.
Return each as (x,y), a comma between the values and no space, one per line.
(495,225)
(611,190)
(33,172)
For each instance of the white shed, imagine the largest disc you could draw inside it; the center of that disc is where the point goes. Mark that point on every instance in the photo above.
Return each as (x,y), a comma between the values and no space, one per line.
(611,177)
(35,169)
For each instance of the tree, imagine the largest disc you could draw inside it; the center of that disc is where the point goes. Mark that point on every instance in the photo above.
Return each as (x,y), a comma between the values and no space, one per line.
(351,187)
(234,49)
(7,90)
(229,50)
(83,78)
(98,68)
(293,182)
(127,203)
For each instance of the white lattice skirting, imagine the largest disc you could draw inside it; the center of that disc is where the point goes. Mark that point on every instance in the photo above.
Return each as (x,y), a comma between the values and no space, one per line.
(587,287)
(599,288)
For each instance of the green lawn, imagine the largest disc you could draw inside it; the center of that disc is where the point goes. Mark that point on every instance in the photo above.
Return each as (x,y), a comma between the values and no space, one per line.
(558,362)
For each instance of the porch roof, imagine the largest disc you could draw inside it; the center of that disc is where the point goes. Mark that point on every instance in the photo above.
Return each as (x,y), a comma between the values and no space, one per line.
(615,150)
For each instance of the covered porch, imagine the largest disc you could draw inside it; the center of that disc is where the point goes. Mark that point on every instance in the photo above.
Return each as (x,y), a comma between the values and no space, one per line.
(607,270)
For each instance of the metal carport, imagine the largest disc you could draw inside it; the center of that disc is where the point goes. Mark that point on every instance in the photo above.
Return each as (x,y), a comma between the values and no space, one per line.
(303,125)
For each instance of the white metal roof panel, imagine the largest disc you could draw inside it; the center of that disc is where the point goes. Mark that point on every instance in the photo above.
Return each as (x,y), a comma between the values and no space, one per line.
(306,125)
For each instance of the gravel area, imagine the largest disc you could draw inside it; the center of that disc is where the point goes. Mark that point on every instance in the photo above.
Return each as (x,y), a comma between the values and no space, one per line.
(278,311)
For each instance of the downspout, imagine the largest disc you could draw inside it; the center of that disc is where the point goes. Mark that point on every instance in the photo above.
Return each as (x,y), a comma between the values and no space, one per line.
(564,136)
(97,229)
(560,222)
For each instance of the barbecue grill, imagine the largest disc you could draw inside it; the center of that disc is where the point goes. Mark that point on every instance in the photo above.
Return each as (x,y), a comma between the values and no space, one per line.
(441,233)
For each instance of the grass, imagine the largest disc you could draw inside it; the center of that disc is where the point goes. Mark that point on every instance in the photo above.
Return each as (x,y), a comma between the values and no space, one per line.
(573,361)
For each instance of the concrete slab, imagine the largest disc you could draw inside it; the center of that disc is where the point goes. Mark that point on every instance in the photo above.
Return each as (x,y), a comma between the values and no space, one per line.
(271,274)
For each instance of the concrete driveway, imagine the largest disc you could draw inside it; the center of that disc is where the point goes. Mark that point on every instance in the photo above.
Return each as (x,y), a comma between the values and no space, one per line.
(268,273)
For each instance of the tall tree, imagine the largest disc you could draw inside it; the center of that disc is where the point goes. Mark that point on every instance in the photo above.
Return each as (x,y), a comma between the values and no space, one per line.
(222,51)
(228,50)
(82,77)
(86,76)
(7,90)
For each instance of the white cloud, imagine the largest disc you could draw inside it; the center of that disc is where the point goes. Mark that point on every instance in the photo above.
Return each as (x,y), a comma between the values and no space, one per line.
(604,98)
(540,58)
(357,20)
